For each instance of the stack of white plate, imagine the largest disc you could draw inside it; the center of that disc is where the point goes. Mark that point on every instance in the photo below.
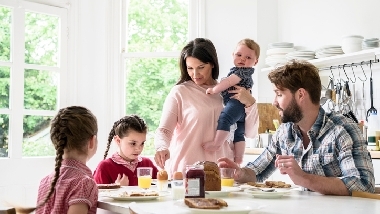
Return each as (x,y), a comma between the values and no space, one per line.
(352,43)
(280,45)
(276,53)
(301,55)
(370,43)
(328,50)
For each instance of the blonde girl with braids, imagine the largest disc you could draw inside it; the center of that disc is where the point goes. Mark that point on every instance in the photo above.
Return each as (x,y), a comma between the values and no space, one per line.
(129,134)
(71,187)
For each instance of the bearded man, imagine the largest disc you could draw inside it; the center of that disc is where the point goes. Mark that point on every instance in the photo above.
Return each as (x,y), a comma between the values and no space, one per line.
(319,151)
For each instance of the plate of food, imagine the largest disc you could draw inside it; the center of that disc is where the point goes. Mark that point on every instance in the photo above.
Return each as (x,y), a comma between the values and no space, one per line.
(223,192)
(108,187)
(215,205)
(136,195)
(267,185)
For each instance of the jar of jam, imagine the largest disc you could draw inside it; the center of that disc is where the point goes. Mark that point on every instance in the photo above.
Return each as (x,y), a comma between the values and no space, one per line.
(195,181)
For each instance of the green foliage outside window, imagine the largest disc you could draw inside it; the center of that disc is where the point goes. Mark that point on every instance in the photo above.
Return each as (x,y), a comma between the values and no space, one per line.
(153,26)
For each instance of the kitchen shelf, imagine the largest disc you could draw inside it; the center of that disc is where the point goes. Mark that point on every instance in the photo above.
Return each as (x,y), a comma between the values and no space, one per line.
(349,58)
(258,151)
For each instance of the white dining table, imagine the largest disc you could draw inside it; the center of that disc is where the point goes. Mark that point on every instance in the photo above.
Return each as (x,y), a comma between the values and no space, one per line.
(296,201)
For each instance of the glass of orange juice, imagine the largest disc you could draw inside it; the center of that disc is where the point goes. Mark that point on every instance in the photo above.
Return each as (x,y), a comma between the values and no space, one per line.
(144,176)
(227,176)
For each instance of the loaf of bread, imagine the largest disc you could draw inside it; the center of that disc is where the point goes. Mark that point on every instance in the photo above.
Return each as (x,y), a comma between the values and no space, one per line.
(212,175)
(205,203)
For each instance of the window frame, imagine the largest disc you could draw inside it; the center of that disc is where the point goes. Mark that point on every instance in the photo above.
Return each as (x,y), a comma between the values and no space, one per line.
(16,110)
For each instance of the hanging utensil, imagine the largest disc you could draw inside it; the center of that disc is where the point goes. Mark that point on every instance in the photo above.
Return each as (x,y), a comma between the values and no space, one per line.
(354,108)
(363,94)
(372,108)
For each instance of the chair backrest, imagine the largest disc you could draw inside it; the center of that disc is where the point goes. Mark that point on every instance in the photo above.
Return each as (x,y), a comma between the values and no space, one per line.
(8,210)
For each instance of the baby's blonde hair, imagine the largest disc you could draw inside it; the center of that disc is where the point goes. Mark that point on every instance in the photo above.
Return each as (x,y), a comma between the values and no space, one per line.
(251,44)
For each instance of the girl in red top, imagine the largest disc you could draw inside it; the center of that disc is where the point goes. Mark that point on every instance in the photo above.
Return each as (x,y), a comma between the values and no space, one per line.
(129,133)
(71,187)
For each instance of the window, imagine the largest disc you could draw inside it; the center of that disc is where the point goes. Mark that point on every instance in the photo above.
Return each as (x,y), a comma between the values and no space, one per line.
(31,66)
(156,31)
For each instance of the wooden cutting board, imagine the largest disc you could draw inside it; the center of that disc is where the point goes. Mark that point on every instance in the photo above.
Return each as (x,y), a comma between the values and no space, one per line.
(365,195)
(267,113)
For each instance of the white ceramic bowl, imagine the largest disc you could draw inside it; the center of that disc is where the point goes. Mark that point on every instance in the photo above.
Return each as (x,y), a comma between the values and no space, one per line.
(351,41)
(351,48)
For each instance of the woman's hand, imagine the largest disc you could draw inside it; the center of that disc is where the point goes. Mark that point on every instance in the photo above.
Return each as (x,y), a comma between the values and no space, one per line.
(210,91)
(122,180)
(161,156)
(243,95)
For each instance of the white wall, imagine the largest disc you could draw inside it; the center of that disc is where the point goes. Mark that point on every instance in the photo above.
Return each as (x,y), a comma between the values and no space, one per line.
(317,23)
(93,61)
(227,22)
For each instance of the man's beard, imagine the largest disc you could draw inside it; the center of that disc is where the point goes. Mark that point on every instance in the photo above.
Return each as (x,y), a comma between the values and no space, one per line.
(292,113)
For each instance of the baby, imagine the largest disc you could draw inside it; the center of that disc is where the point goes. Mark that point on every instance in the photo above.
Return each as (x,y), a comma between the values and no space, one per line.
(245,57)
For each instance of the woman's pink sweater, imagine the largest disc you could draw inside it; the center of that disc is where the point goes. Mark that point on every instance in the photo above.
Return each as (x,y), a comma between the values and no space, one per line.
(189,118)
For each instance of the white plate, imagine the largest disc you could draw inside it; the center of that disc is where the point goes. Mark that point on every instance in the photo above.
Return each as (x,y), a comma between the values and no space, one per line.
(233,208)
(132,198)
(278,193)
(223,192)
(247,186)
(108,190)
(135,198)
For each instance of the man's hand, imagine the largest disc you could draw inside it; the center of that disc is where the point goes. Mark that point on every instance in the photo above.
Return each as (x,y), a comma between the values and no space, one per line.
(288,165)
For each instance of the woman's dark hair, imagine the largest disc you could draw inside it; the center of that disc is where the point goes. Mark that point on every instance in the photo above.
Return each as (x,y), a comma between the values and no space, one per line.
(298,74)
(202,49)
(71,129)
(124,126)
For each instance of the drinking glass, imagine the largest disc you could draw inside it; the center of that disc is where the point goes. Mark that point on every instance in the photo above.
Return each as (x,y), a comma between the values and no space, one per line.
(227,176)
(178,189)
(144,176)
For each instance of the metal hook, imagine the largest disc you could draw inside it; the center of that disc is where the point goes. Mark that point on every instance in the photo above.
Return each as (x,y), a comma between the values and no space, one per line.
(370,66)
(340,78)
(344,70)
(363,72)
(332,74)
(353,73)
